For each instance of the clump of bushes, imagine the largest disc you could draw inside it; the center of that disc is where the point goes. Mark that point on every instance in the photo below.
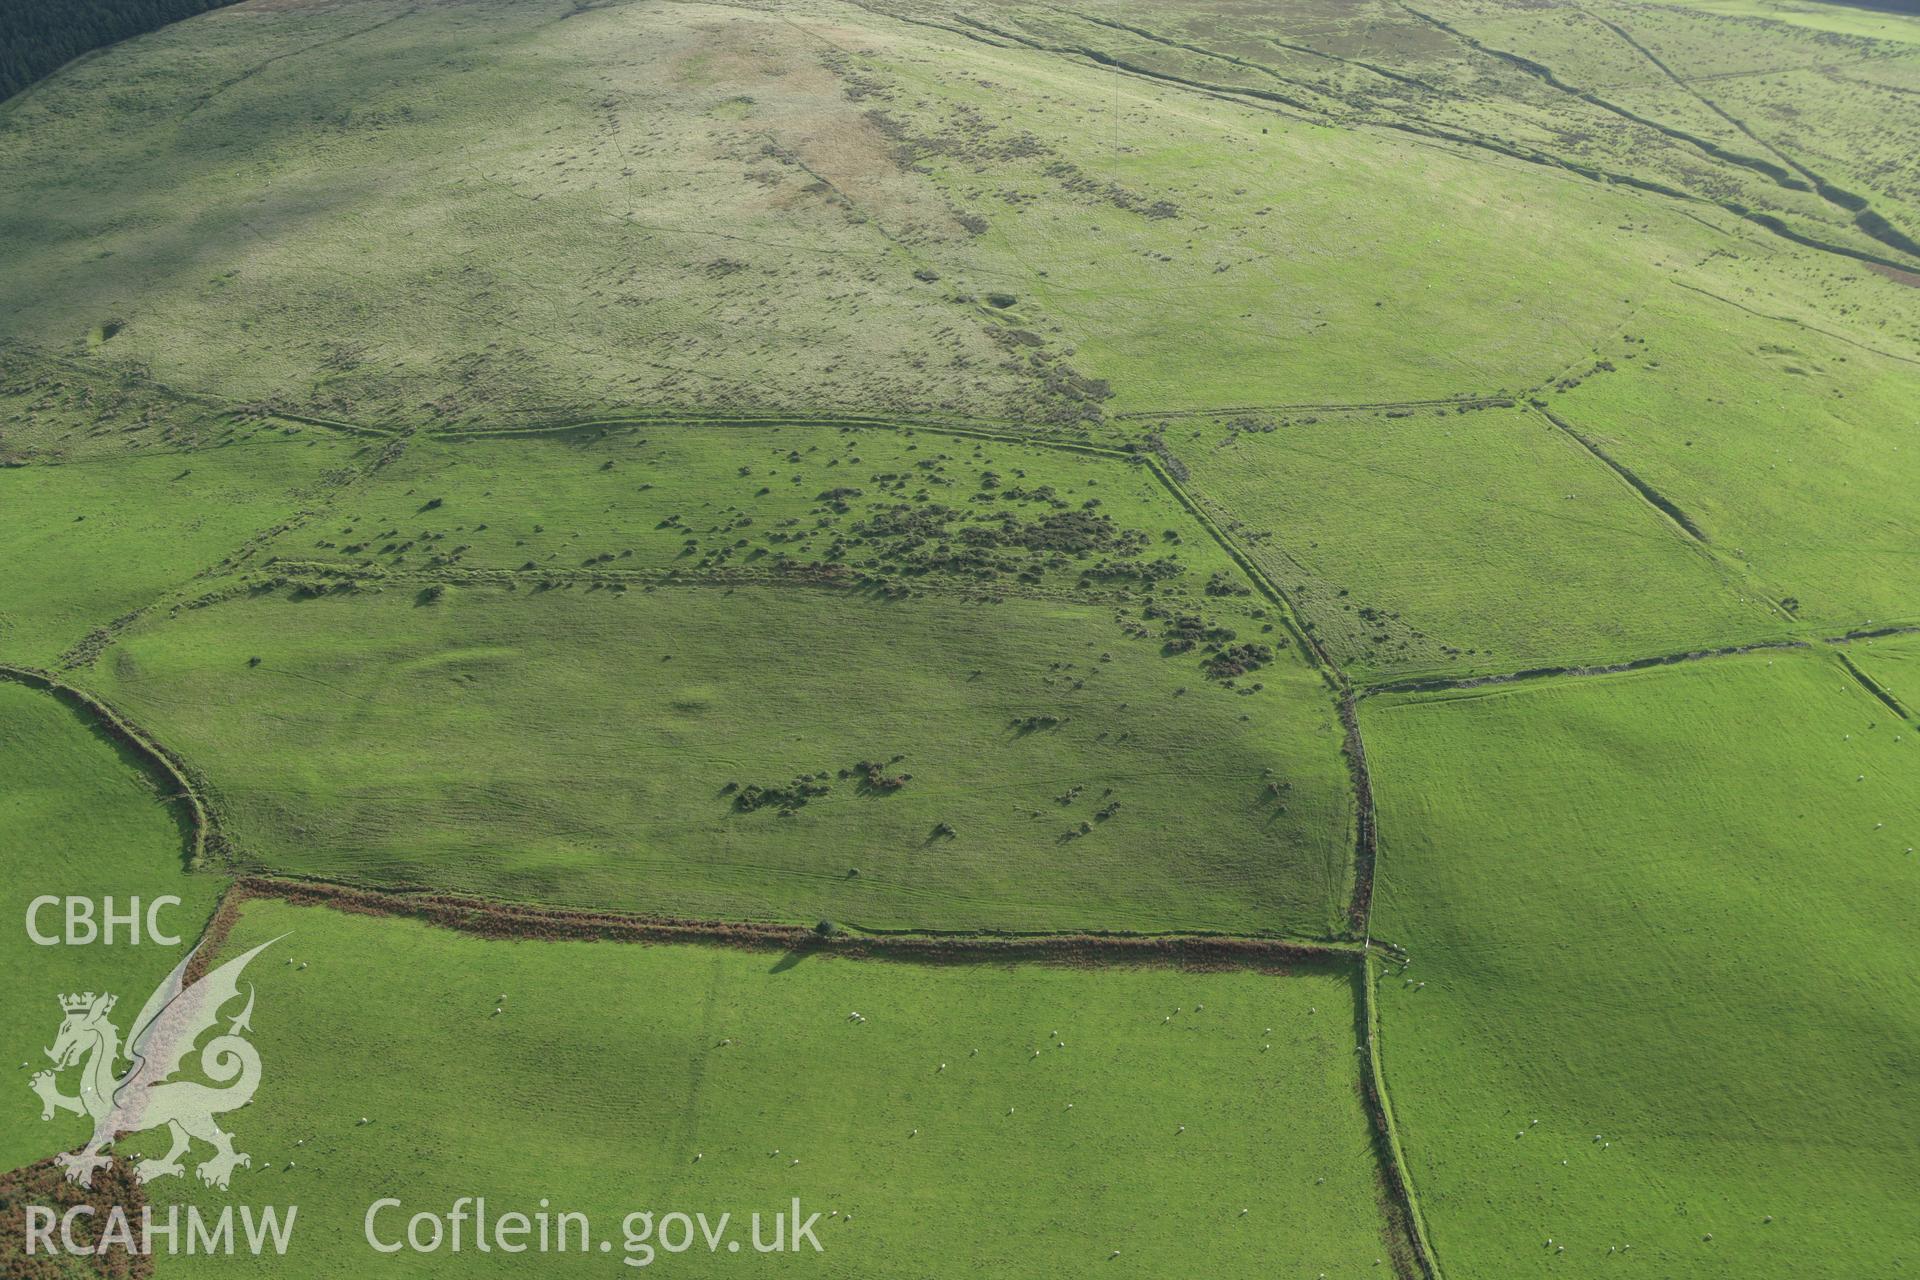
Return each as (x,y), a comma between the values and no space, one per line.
(874,777)
(1186,632)
(1237,660)
(788,799)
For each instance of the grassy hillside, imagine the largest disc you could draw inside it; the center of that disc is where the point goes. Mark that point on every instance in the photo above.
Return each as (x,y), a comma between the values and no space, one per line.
(895,208)
(1668,917)
(952,467)
(336,206)
(711,1080)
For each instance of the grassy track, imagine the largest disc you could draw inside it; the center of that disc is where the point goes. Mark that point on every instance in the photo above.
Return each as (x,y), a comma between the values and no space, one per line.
(1660,908)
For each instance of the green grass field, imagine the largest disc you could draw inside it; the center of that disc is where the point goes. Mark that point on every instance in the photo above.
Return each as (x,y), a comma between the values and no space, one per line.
(82,817)
(577,746)
(143,525)
(638,1059)
(1792,450)
(1661,908)
(1452,542)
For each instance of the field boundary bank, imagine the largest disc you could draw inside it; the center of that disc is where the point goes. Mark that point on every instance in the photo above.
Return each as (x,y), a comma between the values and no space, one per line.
(201,831)
(1877,633)
(1880,692)
(510,921)
(1387,1134)
(1792,322)
(1280,104)
(1858,208)
(1441,684)
(1366,835)
(1866,219)
(1863,219)
(1652,496)
(1454,402)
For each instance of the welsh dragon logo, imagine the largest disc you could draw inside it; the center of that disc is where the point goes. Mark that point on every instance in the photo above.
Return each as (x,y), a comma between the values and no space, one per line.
(144,1096)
